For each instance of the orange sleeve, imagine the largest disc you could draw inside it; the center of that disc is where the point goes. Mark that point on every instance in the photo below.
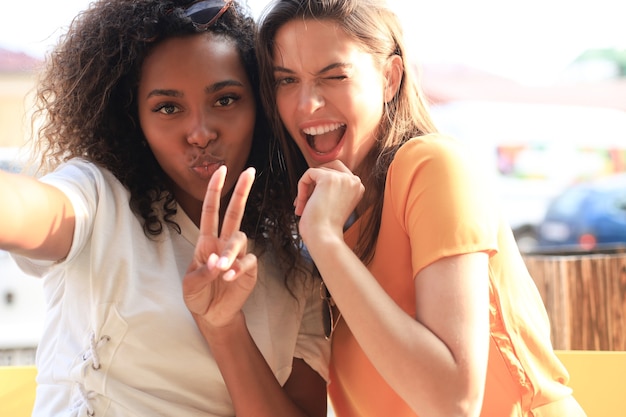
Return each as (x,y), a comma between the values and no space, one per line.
(443,199)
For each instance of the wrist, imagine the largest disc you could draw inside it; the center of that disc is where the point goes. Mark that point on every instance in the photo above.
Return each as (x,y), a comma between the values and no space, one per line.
(223,334)
(324,243)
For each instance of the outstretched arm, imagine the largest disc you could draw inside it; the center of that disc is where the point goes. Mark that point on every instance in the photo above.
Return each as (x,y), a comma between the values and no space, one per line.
(36,219)
(217,284)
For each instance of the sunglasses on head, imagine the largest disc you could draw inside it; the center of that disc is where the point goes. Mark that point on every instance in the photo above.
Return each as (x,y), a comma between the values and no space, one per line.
(204,13)
(328,315)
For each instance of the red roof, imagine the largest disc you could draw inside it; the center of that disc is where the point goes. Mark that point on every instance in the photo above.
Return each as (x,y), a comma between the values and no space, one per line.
(443,84)
(17,61)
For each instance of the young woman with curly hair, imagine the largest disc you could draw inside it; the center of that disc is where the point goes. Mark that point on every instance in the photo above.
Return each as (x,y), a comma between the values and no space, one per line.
(148,244)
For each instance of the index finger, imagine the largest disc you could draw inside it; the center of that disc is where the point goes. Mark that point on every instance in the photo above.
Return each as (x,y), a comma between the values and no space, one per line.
(306,185)
(237,204)
(209,220)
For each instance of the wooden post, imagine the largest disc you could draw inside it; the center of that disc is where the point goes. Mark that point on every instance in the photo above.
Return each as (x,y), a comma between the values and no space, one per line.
(585,296)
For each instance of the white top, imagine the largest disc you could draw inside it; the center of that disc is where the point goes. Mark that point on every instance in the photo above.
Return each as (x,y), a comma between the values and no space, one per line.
(118,339)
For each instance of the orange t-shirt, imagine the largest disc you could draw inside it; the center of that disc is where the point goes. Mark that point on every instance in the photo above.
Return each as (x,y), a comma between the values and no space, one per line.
(437,204)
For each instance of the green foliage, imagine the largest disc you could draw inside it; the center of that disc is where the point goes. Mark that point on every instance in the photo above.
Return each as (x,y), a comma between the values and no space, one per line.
(617,56)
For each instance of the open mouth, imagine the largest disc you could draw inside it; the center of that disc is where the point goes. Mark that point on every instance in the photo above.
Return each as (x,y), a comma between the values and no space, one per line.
(323,139)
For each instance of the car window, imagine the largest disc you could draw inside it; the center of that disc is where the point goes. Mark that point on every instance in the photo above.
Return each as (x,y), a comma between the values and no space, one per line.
(9,166)
(12,159)
(619,202)
(568,203)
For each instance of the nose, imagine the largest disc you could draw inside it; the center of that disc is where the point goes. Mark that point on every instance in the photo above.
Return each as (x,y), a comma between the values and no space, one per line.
(201,131)
(310,98)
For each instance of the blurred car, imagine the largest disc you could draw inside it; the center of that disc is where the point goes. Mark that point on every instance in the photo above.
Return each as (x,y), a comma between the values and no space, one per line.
(12,159)
(586,216)
(534,151)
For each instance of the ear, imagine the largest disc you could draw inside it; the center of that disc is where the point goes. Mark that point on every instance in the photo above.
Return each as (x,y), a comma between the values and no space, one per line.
(394,70)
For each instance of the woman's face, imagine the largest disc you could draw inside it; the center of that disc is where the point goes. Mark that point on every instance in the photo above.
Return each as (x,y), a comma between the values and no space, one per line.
(329,92)
(197,111)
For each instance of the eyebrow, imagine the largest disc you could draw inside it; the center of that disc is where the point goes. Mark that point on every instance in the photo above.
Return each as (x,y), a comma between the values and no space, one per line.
(322,71)
(209,89)
(223,84)
(163,92)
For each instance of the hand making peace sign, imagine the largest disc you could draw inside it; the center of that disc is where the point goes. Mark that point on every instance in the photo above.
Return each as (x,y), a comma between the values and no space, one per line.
(221,275)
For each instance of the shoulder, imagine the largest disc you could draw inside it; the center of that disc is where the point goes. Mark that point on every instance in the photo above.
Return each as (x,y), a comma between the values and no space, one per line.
(93,191)
(75,170)
(428,148)
(438,166)
(433,157)
(80,174)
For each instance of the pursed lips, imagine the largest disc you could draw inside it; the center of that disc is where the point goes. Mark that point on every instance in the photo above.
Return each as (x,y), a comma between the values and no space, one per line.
(205,165)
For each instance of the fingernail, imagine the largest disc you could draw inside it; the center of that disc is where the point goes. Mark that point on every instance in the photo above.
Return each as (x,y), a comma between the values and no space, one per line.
(212,261)
(228,275)
(223,263)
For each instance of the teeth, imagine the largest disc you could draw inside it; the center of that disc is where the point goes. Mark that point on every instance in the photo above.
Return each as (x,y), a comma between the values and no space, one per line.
(320,130)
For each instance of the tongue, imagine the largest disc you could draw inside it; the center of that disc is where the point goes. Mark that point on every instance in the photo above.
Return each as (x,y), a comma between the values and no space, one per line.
(326,142)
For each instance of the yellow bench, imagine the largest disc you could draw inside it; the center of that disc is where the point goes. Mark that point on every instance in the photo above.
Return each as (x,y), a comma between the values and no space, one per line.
(598,379)
(17,390)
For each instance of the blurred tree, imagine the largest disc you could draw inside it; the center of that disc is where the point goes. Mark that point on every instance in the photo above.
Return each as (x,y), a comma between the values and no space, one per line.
(615,56)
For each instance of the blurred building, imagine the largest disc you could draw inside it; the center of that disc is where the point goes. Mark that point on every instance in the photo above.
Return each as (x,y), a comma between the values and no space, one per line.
(596,79)
(536,139)
(17,80)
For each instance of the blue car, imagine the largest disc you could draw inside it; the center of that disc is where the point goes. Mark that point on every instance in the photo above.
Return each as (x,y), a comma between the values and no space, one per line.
(587,216)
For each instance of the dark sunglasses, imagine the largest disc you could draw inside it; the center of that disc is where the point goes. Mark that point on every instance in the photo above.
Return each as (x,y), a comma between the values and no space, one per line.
(204,13)
(328,315)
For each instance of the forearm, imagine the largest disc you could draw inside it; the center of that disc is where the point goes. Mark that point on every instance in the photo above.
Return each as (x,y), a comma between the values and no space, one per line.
(251,384)
(416,363)
(36,220)
(12,218)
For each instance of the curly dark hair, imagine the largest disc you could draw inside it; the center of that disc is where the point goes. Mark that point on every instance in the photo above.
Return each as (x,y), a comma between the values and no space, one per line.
(86,100)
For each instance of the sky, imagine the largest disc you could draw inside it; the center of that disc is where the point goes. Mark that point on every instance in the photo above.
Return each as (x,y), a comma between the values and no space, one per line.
(530,41)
